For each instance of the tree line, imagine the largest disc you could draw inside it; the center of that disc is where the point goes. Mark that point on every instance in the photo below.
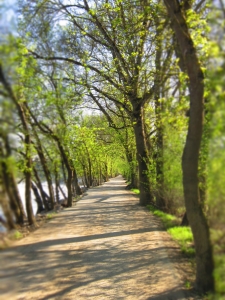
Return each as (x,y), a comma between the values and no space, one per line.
(151,72)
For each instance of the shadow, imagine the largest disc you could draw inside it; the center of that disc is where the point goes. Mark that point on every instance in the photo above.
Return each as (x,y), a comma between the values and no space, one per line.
(173,294)
(53,242)
(108,248)
(90,266)
(91,196)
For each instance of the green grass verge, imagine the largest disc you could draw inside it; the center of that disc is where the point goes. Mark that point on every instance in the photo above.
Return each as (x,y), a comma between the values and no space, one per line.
(219,275)
(136,191)
(184,237)
(181,234)
(16,235)
(50,215)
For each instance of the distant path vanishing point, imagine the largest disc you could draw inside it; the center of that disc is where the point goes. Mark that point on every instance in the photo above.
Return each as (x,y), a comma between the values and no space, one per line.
(105,247)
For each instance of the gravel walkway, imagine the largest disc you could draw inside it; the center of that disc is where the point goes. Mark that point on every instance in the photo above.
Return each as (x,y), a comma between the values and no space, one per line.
(105,247)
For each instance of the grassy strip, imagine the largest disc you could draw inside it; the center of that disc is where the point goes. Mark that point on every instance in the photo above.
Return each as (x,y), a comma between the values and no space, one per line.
(218,240)
(182,235)
(136,191)
(51,215)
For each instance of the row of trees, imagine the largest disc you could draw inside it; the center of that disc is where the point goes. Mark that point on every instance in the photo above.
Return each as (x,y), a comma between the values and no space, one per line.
(141,66)
(44,142)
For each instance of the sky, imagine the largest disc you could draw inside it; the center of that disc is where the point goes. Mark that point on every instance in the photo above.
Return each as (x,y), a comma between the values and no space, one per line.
(7,16)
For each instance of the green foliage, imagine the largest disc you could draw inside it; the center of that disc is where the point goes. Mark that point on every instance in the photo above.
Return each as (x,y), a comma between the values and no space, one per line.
(53,90)
(167,219)
(136,191)
(219,275)
(174,124)
(16,235)
(181,234)
(184,237)
(51,215)
(188,284)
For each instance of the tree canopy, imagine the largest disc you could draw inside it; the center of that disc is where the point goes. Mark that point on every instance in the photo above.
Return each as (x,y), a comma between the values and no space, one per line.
(93,89)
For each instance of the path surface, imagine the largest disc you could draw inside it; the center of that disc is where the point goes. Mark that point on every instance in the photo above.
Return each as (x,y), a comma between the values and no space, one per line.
(105,247)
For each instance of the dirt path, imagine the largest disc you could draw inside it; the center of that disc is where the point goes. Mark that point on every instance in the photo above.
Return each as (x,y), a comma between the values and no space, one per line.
(105,247)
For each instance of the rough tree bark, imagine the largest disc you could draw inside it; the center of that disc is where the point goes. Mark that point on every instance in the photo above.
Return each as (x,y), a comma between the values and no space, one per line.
(12,183)
(37,197)
(27,141)
(196,217)
(5,207)
(142,157)
(43,194)
(41,155)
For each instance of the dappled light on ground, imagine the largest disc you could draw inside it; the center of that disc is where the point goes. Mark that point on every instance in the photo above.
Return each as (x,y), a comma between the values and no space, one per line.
(105,247)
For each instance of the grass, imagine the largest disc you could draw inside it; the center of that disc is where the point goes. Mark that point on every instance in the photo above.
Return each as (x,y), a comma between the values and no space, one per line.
(16,235)
(181,234)
(167,219)
(184,237)
(187,284)
(50,215)
(219,275)
(136,191)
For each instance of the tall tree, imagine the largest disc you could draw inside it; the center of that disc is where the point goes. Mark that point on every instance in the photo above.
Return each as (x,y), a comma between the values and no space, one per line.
(196,217)
(27,142)
(118,49)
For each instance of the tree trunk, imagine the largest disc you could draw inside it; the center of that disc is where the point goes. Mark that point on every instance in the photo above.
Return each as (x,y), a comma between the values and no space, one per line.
(132,172)
(204,153)
(44,164)
(184,221)
(160,201)
(56,184)
(71,172)
(28,164)
(159,85)
(85,177)
(197,220)
(7,186)
(11,185)
(89,171)
(39,185)
(5,207)
(77,186)
(142,157)
(63,170)
(89,166)
(16,193)
(69,187)
(27,173)
(37,197)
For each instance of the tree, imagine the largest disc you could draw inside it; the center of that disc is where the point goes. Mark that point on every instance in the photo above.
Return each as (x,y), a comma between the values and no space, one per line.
(196,217)
(115,43)
(27,141)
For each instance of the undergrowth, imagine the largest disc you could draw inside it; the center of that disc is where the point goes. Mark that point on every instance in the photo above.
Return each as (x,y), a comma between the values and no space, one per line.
(50,215)
(184,237)
(136,191)
(181,234)
(16,235)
